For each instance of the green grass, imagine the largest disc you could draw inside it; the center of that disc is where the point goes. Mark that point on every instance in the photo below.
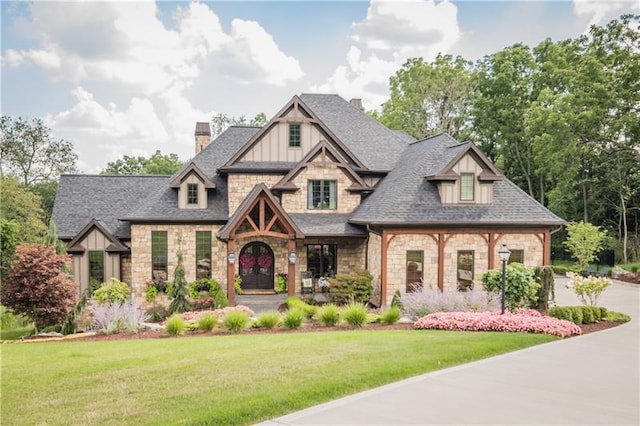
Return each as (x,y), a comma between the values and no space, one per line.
(630,266)
(239,379)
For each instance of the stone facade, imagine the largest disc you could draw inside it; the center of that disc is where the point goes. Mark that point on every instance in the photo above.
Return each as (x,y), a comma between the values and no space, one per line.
(239,185)
(296,202)
(374,264)
(141,253)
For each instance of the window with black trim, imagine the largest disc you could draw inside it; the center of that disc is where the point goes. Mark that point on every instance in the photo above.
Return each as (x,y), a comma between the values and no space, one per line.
(465,270)
(321,260)
(192,193)
(415,270)
(203,254)
(159,255)
(96,266)
(294,135)
(467,186)
(322,195)
(516,256)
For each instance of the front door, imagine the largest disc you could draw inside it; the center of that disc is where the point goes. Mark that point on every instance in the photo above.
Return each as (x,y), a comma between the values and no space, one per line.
(256,266)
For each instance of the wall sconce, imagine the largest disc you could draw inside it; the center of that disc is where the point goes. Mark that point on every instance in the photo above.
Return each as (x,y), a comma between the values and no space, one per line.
(231,258)
(293,257)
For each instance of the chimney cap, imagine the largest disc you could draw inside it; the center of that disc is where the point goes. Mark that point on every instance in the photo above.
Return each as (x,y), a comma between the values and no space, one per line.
(203,129)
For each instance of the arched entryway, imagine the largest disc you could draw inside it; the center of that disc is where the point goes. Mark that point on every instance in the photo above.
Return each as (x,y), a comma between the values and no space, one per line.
(256,266)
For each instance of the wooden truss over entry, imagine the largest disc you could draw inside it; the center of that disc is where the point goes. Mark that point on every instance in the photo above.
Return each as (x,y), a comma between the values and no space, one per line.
(259,215)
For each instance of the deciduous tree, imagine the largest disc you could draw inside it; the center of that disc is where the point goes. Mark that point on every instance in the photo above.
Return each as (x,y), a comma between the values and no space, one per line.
(37,286)
(157,164)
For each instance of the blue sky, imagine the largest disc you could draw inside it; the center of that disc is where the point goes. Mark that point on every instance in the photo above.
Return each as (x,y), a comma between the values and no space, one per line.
(118,78)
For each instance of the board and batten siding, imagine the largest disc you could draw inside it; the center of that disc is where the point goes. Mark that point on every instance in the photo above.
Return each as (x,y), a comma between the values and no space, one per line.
(450,191)
(94,241)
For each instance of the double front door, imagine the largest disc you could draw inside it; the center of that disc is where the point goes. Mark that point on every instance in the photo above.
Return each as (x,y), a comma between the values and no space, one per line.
(256,266)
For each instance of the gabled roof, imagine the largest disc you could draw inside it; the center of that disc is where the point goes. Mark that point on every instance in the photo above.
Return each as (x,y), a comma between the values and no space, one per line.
(186,171)
(378,147)
(83,198)
(406,198)
(115,246)
(452,155)
(327,225)
(260,193)
(329,154)
(161,204)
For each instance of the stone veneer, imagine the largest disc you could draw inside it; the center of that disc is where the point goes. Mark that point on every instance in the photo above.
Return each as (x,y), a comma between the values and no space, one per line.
(296,202)
(239,186)
(374,264)
(141,253)
(396,257)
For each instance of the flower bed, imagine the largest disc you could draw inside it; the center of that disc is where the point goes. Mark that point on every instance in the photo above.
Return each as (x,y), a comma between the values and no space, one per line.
(523,321)
(194,315)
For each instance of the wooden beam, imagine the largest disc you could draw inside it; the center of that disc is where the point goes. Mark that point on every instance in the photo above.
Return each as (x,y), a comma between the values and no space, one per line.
(231,273)
(441,243)
(492,245)
(546,248)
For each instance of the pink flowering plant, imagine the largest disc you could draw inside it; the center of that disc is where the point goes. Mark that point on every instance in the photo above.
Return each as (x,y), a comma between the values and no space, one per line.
(520,321)
(219,313)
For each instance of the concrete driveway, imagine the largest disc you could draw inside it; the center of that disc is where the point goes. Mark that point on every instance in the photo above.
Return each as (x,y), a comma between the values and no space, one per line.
(591,379)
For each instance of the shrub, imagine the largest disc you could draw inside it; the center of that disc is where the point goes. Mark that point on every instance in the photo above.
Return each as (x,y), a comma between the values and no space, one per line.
(521,286)
(576,314)
(561,312)
(355,314)
(37,285)
(151,293)
(293,319)
(113,318)
(157,313)
(603,312)
(561,269)
(521,322)
(545,276)
(617,317)
(268,319)
(294,302)
(175,325)
(397,300)
(356,286)
(589,289)
(207,322)
(179,291)
(588,315)
(426,300)
(113,291)
(391,315)
(328,315)
(281,283)
(210,291)
(235,321)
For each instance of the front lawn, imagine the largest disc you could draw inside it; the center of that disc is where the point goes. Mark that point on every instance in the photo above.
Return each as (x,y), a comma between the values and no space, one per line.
(238,379)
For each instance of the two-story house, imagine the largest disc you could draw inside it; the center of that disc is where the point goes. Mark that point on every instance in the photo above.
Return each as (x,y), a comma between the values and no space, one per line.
(320,189)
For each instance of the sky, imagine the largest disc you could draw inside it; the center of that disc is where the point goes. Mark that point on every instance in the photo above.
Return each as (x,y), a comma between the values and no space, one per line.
(132,77)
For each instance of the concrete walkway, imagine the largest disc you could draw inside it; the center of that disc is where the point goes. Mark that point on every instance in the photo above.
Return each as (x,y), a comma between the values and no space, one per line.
(591,379)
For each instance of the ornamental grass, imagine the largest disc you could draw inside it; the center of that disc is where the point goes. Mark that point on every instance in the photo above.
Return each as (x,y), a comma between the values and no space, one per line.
(522,321)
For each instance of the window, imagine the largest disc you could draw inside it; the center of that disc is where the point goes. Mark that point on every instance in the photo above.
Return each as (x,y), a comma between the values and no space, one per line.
(159,255)
(294,135)
(516,256)
(192,193)
(465,270)
(96,266)
(322,195)
(466,186)
(415,268)
(321,260)
(203,254)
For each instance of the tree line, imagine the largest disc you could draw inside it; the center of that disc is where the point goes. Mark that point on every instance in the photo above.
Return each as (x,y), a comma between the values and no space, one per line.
(561,120)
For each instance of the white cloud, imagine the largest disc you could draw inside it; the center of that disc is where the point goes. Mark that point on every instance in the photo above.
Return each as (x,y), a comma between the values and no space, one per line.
(391,33)
(599,11)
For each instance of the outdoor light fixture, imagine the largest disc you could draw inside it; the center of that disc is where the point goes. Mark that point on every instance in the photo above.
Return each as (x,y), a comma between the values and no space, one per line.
(231,258)
(504,254)
(293,257)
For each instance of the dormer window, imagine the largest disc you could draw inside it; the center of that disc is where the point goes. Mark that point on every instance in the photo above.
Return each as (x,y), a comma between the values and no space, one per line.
(294,135)
(467,186)
(192,193)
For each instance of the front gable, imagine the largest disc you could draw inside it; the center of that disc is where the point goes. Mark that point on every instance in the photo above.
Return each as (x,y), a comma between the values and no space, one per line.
(290,135)
(95,236)
(192,185)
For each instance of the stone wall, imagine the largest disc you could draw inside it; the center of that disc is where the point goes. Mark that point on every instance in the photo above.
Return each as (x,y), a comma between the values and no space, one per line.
(374,264)
(141,253)
(296,202)
(125,268)
(465,242)
(532,246)
(397,262)
(239,185)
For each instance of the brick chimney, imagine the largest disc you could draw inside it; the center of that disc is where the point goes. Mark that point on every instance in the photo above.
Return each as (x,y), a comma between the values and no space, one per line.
(356,102)
(203,135)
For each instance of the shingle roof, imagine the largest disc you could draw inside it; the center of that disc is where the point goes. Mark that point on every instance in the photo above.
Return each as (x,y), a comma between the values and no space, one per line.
(372,143)
(81,198)
(327,225)
(406,197)
(162,204)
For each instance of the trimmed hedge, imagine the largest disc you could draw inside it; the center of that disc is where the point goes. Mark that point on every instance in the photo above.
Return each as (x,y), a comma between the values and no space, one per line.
(578,314)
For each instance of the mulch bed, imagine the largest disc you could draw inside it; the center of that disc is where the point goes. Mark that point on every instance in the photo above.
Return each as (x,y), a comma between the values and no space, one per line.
(310,327)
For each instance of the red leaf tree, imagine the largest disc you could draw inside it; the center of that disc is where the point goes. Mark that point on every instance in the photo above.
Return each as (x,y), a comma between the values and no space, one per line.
(37,285)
